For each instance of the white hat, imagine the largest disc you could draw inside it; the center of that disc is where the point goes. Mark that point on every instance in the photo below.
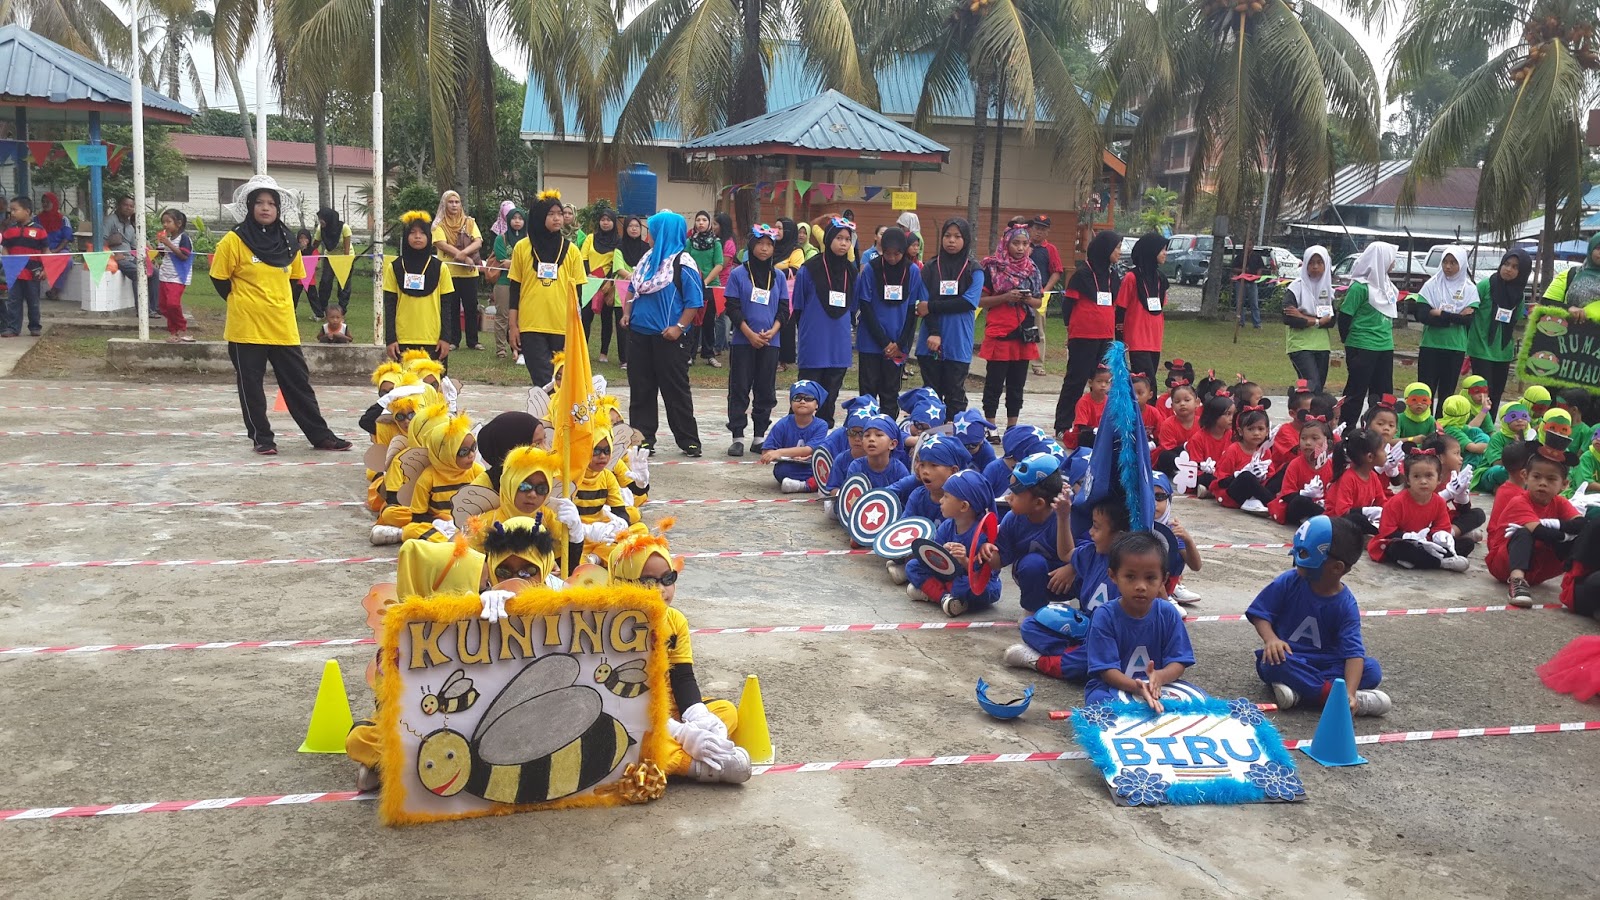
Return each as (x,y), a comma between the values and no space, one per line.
(239,209)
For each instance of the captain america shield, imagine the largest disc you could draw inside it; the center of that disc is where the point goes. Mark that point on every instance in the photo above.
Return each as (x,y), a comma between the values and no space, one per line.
(855,487)
(821,467)
(895,541)
(873,513)
(936,558)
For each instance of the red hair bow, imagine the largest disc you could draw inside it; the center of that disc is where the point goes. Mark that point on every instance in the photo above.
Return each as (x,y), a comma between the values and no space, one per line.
(1310,418)
(1257,408)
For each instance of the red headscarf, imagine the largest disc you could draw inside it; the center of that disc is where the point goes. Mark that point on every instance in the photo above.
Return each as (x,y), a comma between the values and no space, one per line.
(50,214)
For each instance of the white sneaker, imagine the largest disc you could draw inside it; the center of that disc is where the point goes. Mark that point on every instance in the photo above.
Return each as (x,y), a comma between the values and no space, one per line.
(795,486)
(520,361)
(1254,506)
(916,594)
(1372,703)
(1476,535)
(827,508)
(386,534)
(1202,492)
(1453,563)
(952,605)
(1021,656)
(735,769)
(1285,696)
(1182,594)
(897,572)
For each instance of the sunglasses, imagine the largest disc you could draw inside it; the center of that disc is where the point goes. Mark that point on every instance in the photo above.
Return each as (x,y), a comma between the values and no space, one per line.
(530,573)
(540,488)
(1162,496)
(856,432)
(602,449)
(465,452)
(667,580)
(404,417)
(802,398)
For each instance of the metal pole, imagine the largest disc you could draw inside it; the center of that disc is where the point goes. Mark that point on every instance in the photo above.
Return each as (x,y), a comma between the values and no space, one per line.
(22,161)
(141,284)
(377,173)
(97,196)
(261,91)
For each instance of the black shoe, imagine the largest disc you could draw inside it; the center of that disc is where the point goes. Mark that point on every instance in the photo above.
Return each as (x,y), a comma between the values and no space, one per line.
(759,444)
(34,332)
(267,449)
(692,451)
(333,443)
(736,448)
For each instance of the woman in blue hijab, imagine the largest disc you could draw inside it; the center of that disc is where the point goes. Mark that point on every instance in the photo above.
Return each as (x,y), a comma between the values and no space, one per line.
(666,295)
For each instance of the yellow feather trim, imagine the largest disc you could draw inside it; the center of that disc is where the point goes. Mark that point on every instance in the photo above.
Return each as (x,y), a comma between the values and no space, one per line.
(415,215)
(389,371)
(550,194)
(634,547)
(411,357)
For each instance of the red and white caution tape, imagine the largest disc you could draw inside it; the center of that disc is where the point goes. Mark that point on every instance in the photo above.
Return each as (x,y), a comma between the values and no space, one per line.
(187,409)
(919,762)
(164,504)
(737,500)
(947,625)
(361,436)
(705,462)
(171,563)
(181,464)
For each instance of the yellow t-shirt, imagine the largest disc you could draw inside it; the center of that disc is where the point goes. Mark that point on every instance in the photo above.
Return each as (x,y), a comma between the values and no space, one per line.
(261,305)
(679,650)
(596,260)
(543,306)
(457,270)
(417,319)
(793,263)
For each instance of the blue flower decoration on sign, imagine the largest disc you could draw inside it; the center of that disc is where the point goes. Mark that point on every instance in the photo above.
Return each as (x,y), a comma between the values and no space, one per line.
(1099,715)
(1277,781)
(1140,787)
(1245,712)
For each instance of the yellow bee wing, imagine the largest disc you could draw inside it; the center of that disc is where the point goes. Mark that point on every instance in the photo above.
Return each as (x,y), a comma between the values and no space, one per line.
(543,675)
(539,726)
(473,500)
(631,672)
(412,464)
(376,457)
(457,684)
(396,447)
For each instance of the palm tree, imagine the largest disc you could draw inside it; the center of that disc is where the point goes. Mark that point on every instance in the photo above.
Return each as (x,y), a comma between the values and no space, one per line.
(1532,96)
(1268,80)
(171,33)
(91,28)
(233,31)
(702,65)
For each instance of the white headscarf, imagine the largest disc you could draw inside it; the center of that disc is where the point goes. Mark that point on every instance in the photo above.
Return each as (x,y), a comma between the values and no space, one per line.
(1451,295)
(910,222)
(1372,269)
(1310,293)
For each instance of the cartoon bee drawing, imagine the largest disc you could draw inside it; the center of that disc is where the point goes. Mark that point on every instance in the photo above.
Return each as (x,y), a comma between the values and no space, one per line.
(542,738)
(456,696)
(626,680)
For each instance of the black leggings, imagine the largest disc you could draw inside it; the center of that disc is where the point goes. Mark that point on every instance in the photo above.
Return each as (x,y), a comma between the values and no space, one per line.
(1297,508)
(463,304)
(1494,373)
(1439,370)
(948,379)
(832,381)
(1245,485)
(1083,357)
(610,317)
(879,376)
(1467,518)
(1010,376)
(1146,361)
(1369,375)
(1409,555)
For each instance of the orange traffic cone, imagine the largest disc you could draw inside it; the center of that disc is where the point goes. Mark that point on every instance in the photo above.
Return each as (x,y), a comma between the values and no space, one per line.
(277,404)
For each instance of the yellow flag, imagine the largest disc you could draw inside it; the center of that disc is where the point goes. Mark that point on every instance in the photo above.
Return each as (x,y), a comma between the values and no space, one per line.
(574,403)
(341,267)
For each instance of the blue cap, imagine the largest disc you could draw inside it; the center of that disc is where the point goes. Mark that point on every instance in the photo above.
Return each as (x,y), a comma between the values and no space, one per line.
(1312,540)
(1064,620)
(972,426)
(864,401)
(942,450)
(1055,448)
(1008,710)
(859,418)
(879,421)
(1161,482)
(1022,441)
(911,399)
(809,388)
(971,487)
(1034,469)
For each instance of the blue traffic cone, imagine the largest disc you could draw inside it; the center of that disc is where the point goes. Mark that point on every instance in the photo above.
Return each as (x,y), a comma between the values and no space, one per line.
(1334,744)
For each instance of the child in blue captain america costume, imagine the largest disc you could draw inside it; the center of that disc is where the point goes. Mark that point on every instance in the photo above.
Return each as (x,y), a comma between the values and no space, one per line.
(1017,444)
(966,501)
(1310,625)
(844,444)
(791,440)
(923,411)
(973,430)
(1027,542)
(880,438)
(1137,643)
(939,457)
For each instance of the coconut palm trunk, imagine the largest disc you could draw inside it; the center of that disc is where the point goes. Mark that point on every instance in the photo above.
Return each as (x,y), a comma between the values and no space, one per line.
(980,132)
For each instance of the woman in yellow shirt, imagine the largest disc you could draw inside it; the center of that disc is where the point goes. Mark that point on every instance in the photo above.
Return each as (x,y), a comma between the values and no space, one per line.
(599,255)
(251,269)
(458,240)
(546,273)
(416,288)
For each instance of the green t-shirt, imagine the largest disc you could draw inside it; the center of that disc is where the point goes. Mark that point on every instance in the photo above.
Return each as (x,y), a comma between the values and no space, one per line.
(1313,338)
(707,259)
(1369,329)
(1487,339)
(1466,434)
(1448,337)
(501,251)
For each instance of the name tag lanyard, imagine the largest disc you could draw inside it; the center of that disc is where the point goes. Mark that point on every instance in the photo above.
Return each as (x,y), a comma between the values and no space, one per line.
(828,271)
(537,262)
(412,281)
(938,265)
(1159,294)
(905,282)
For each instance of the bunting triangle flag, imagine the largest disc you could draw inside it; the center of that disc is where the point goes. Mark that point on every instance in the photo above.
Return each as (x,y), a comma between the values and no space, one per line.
(116,160)
(71,149)
(13,266)
(183,266)
(8,151)
(827,190)
(310,260)
(341,267)
(871,190)
(39,151)
(801,186)
(54,265)
(149,261)
(96,261)
(850,191)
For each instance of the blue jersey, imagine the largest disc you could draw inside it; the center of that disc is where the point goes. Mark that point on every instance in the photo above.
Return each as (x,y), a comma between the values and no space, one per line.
(879,309)
(955,329)
(1312,625)
(886,478)
(784,434)
(982,457)
(1093,585)
(758,315)
(1019,537)
(998,474)
(822,341)
(1134,646)
(922,504)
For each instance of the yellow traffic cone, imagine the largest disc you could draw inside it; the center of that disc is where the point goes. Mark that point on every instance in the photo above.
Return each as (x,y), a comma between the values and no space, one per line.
(278,404)
(752,733)
(330,717)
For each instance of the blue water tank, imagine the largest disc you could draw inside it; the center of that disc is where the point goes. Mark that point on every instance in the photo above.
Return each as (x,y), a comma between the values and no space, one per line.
(636,191)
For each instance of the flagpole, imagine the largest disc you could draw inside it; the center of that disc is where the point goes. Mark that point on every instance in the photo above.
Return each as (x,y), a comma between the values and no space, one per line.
(141,284)
(377,172)
(261,93)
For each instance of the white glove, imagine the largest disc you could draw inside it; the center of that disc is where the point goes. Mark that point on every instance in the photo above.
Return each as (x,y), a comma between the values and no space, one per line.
(1464,476)
(701,717)
(1397,455)
(1374,514)
(704,746)
(627,497)
(1446,540)
(494,604)
(450,391)
(1420,536)
(639,466)
(1551,523)
(567,514)
(1511,531)
(603,532)
(1313,489)
(1186,475)
(1434,550)
(445,527)
(1209,466)
(1259,468)
(1583,500)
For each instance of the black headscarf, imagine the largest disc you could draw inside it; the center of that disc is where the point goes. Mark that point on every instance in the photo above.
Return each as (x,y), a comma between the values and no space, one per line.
(271,244)
(949,266)
(332,232)
(605,241)
(513,235)
(760,271)
(1094,274)
(548,246)
(784,249)
(1146,270)
(702,240)
(633,248)
(894,238)
(1507,294)
(502,434)
(829,271)
(413,261)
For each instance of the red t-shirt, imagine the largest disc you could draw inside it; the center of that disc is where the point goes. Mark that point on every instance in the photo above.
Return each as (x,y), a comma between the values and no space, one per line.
(1296,476)
(1352,492)
(1163,405)
(1202,446)
(1402,515)
(1232,460)
(1087,412)
(1513,506)
(1174,435)
(1090,320)
(1152,421)
(25,240)
(1142,330)
(1286,443)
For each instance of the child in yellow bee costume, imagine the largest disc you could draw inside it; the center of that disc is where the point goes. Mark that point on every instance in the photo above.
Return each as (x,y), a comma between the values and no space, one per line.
(400,406)
(699,726)
(522,547)
(601,505)
(431,413)
(527,481)
(632,465)
(452,465)
(431,372)
(385,378)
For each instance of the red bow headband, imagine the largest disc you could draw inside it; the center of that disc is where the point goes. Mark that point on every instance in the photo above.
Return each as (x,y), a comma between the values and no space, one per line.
(1310,418)
(1256,408)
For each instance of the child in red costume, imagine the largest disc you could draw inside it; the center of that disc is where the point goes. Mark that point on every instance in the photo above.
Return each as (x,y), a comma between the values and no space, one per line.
(1212,439)
(1358,492)
(1178,428)
(1531,531)
(1414,532)
(1246,466)
(1306,478)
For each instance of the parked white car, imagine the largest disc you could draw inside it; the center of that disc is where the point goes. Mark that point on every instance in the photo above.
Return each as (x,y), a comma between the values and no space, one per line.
(1284,263)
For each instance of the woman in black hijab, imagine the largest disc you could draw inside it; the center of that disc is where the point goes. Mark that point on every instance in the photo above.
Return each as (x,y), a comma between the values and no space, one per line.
(333,237)
(1089,306)
(1144,317)
(787,258)
(954,285)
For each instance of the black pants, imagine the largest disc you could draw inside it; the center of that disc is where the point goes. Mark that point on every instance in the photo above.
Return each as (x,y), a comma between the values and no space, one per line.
(1009,376)
(786,345)
(832,381)
(289,367)
(328,284)
(713,331)
(660,367)
(1465,519)
(1312,365)
(1298,508)
(1369,374)
(1083,357)
(538,352)
(1495,374)
(878,376)
(463,304)
(752,385)
(610,318)
(1245,485)
(1522,543)
(1439,370)
(948,379)
(1148,362)
(1410,555)
(1586,595)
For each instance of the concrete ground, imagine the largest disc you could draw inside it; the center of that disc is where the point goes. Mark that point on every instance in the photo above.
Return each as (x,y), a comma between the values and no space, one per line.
(1480,817)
